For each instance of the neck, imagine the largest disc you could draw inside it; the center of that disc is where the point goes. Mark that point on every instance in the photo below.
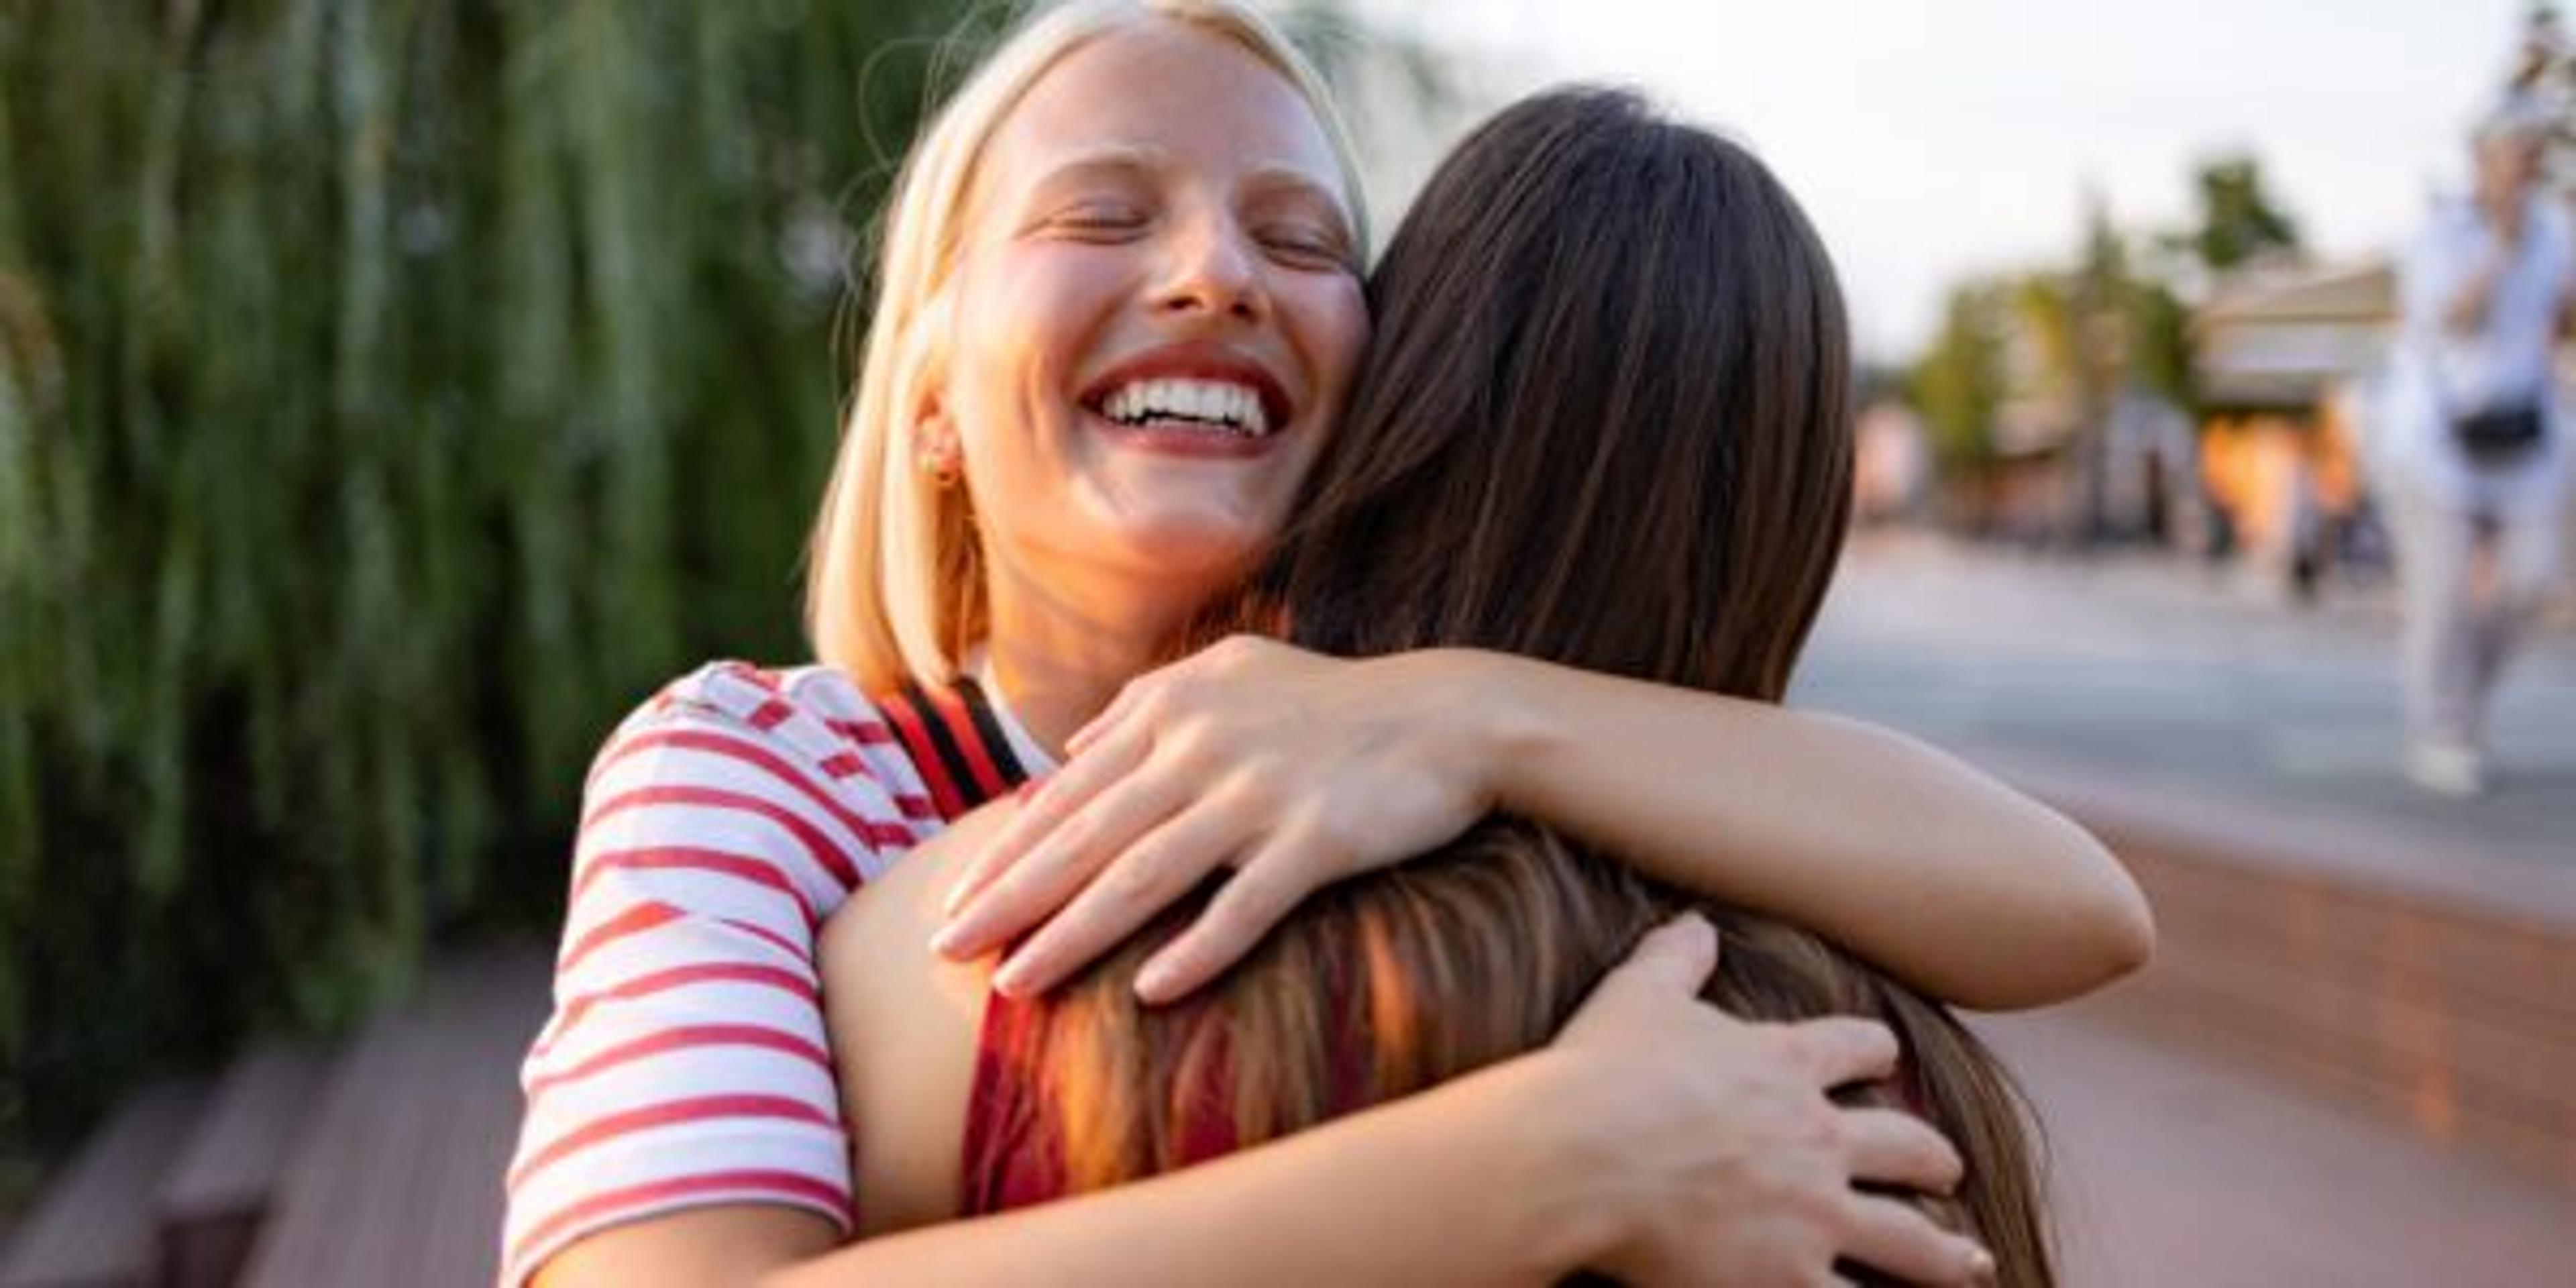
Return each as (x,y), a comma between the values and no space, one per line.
(1058,658)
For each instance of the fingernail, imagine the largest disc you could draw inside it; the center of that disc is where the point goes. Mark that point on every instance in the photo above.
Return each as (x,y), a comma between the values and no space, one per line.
(1981,1266)
(1012,980)
(1154,980)
(949,939)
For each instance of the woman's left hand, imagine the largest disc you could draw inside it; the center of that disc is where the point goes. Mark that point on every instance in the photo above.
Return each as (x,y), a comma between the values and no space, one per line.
(1292,768)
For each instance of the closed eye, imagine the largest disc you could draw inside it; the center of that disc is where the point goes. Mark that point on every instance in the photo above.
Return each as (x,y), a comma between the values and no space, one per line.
(1305,247)
(1098,220)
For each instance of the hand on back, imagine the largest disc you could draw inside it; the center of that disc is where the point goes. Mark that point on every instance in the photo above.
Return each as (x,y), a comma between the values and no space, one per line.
(1288,768)
(1720,1158)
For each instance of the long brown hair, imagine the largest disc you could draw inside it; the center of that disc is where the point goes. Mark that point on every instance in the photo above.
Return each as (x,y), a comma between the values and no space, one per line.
(1607,423)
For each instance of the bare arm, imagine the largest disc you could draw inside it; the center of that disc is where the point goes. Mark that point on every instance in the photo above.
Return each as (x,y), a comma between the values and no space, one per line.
(732,1244)
(2464,313)
(1423,1192)
(1427,1191)
(1954,882)
(1297,770)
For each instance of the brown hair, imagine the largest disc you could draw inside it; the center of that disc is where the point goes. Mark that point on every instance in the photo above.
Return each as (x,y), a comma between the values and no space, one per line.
(1606,423)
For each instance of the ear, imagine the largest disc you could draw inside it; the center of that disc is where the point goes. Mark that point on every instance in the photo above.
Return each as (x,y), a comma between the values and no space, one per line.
(936,439)
(935,449)
(935,446)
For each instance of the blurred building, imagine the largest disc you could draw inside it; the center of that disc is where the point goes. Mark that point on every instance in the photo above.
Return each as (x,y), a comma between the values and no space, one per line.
(1891,463)
(2285,356)
(2149,460)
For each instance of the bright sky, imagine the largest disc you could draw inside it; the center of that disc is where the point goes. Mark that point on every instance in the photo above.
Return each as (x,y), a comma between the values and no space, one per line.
(1934,138)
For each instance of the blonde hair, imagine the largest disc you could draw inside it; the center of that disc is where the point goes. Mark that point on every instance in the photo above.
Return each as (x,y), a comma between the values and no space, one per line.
(894,588)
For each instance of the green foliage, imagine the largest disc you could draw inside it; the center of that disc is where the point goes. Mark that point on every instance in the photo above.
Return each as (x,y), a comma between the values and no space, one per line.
(2238,219)
(391,393)
(1959,381)
(2161,355)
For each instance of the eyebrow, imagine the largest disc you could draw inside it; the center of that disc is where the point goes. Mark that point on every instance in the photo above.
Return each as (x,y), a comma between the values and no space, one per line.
(1114,160)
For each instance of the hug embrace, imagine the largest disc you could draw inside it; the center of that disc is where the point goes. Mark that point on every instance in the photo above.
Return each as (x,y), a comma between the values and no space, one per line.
(1294,787)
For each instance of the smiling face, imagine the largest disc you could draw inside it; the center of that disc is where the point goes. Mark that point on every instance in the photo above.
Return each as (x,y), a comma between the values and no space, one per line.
(1155,319)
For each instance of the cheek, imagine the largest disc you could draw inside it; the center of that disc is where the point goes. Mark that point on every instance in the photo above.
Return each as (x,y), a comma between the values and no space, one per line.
(1338,334)
(1014,334)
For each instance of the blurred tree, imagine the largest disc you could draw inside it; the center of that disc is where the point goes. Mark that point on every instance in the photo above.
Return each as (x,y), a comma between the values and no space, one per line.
(2238,221)
(2095,351)
(391,392)
(1958,384)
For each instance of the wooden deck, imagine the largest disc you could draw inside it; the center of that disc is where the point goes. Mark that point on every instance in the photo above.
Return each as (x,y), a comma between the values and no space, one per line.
(399,1184)
(378,1163)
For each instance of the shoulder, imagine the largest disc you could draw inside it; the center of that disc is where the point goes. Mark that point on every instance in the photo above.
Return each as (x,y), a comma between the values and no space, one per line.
(816,710)
(885,991)
(802,744)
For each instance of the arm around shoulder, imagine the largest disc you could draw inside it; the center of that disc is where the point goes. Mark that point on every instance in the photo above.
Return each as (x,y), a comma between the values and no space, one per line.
(1956,883)
(1469,1183)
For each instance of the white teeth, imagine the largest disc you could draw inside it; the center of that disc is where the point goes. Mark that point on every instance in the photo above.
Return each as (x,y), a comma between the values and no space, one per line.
(1222,405)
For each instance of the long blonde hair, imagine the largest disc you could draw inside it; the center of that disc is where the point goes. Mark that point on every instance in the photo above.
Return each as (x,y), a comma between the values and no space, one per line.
(894,587)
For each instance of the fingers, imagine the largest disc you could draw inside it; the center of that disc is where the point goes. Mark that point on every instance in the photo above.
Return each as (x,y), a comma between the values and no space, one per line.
(1902,1241)
(1268,884)
(1099,726)
(1147,878)
(1892,1147)
(1045,811)
(1673,958)
(1840,1049)
(1056,868)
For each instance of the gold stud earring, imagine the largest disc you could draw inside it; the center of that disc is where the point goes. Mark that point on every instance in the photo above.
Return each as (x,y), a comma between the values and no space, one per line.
(941,466)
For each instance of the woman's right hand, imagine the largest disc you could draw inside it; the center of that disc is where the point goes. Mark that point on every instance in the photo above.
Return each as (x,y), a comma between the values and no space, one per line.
(1716,1156)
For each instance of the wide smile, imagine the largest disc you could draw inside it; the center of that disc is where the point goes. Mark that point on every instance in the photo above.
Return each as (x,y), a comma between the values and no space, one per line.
(1190,400)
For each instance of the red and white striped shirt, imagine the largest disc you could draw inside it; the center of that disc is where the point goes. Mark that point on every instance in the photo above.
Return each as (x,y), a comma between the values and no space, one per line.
(685,1063)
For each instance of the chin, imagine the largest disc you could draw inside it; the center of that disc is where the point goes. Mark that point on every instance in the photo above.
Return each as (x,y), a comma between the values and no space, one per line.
(1214,545)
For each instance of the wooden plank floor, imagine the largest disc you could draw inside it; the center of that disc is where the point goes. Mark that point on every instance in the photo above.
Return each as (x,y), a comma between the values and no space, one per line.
(94,1227)
(214,1200)
(400,1186)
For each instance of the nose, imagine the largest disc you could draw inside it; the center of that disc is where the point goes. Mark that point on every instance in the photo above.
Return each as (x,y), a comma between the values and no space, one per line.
(1213,269)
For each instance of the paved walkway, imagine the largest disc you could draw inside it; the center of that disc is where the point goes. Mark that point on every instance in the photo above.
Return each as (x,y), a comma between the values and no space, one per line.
(2149,684)
(2146,689)
(2169,1169)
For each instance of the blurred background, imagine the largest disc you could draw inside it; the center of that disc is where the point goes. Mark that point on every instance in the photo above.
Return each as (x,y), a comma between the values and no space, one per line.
(393,392)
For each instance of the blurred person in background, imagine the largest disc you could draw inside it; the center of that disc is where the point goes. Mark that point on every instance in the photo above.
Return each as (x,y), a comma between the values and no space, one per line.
(2474,456)
(2540,88)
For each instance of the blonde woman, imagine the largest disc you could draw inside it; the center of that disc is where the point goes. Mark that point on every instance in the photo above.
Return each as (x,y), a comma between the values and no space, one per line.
(1119,312)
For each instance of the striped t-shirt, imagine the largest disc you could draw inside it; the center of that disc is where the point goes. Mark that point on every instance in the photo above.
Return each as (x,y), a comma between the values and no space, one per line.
(685,1062)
